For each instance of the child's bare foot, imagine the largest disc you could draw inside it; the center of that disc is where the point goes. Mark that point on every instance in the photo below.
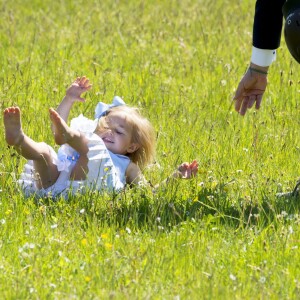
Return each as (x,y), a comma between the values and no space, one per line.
(14,134)
(60,128)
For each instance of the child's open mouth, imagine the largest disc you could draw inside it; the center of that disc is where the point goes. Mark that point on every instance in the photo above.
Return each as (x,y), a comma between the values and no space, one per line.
(107,140)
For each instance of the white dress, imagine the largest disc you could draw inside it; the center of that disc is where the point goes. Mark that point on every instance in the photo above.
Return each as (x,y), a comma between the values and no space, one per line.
(106,170)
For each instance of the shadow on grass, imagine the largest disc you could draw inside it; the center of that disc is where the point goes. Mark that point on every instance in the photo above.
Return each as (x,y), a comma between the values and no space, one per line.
(140,208)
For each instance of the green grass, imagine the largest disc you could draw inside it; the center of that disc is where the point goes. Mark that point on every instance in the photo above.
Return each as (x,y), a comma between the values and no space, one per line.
(222,235)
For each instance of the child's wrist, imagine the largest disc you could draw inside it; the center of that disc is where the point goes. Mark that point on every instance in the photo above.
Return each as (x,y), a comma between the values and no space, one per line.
(69,99)
(176,174)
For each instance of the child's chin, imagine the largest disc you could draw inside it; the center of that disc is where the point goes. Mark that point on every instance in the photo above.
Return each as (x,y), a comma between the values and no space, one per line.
(108,147)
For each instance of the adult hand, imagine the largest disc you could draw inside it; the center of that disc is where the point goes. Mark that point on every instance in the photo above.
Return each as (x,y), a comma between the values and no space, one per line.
(251,89)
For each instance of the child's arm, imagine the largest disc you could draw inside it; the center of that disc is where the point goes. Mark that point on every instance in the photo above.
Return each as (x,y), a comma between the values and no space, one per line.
(134,175)
(73,94)
(185,171)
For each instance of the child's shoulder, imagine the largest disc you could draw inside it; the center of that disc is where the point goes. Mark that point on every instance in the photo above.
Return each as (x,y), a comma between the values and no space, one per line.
(133,173)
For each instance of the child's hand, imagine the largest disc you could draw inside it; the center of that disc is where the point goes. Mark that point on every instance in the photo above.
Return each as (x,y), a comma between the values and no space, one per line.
(79,86)
(185,170)
(188,170)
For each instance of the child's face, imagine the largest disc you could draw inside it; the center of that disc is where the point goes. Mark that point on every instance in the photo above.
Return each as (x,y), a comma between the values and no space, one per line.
(116,134)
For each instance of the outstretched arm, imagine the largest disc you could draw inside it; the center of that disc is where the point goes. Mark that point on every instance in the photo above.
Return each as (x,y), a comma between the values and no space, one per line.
(267,27)
(185,171)
(73,94)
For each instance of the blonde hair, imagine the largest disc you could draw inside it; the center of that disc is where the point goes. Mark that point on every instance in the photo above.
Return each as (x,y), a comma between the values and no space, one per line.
(143,134)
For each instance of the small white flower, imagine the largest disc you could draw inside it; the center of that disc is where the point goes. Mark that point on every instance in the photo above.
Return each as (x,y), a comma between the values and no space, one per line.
(31,246)
(223,82)
(27,246)
(2,221)
(262,279)
(128,230)
(82,211)
(53,226)
(228,67)
(232,277)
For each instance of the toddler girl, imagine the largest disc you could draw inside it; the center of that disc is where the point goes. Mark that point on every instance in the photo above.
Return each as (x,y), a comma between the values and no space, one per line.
(107,153)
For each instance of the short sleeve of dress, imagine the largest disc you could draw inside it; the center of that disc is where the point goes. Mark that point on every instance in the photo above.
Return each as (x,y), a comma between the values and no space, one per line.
(83,124)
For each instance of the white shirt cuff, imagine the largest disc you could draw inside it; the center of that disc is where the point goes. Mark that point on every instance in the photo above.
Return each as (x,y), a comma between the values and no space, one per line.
(263,57)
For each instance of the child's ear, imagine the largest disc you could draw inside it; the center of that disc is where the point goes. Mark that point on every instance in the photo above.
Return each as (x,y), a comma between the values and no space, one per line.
(133,147)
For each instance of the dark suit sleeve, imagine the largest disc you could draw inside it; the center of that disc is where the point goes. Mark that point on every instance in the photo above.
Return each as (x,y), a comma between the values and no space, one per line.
(267,24)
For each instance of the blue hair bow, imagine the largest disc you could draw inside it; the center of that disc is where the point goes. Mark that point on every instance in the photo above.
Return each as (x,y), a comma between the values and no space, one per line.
(102,108)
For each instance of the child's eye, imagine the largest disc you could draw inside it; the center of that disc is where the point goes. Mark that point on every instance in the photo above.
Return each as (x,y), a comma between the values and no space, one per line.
(119,132)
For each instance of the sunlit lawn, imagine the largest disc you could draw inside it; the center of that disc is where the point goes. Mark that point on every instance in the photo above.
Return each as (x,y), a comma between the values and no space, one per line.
(222,235)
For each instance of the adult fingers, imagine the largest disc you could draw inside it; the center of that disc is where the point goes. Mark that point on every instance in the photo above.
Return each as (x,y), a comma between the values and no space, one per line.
(258,101)
(252,100)
(238,104)
(244,107)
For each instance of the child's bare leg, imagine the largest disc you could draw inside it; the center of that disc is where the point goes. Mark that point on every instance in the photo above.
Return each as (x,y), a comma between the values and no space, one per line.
(80,169)
(29,149)
(63,134)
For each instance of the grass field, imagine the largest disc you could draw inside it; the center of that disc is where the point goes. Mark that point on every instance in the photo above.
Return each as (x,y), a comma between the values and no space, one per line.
(222,235)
